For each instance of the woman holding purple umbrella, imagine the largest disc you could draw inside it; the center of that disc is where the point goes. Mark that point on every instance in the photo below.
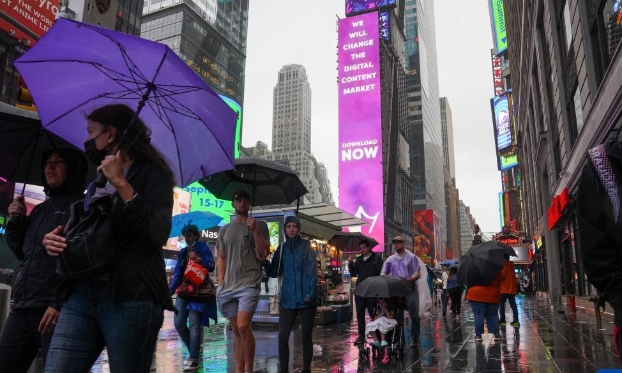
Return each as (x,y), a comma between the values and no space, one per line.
(122,307)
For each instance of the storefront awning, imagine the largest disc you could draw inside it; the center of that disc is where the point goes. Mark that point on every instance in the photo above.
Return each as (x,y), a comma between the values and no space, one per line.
(325,213)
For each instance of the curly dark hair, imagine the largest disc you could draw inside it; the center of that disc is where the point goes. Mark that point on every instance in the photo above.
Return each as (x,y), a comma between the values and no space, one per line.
(137,141)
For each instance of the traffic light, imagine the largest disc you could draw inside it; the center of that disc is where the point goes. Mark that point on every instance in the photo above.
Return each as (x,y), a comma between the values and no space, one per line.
(24,97)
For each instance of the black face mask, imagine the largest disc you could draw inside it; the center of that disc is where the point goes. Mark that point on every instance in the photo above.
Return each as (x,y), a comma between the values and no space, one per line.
(92,153)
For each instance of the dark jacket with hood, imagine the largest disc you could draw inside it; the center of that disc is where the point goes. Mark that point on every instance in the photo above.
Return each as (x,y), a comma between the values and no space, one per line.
(142,227)
(37,280)
(600,230)
(299,270)
(363,269)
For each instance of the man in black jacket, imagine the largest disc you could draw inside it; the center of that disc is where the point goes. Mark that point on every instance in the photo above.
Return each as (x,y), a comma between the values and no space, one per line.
(368,264)
(599,223)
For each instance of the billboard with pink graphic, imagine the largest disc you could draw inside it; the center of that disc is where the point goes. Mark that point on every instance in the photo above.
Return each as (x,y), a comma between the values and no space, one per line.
(360,135)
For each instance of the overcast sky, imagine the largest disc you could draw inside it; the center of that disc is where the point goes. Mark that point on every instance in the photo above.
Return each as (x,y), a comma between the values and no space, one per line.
(282,32)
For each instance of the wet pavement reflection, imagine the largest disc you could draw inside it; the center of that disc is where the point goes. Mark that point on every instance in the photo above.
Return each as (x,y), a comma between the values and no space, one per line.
(547,341)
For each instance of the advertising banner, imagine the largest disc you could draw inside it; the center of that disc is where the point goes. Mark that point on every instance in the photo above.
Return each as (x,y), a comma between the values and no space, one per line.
(498,19)
(385,28)
(424,240)
(503,118)
(507,161)
(35,16)
(360,133)
(511,210)
(362,6)
(497,75)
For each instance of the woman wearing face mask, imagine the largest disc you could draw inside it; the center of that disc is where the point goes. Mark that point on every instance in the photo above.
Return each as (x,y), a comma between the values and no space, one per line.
(296,262)
(35,310)
(201,253)
(122,307)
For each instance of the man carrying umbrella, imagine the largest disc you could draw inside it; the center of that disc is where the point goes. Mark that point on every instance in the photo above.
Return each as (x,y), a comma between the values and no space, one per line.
(404,264)
(368,264)
(242,246)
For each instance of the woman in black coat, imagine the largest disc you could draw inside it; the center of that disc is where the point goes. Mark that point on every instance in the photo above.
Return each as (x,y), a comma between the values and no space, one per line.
(35,310)
(122,307)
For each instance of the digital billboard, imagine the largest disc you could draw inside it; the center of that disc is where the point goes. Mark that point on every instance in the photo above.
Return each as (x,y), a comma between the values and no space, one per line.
(511,210)
(201,198)
(385,29)
(498,20)
(360,132)
(509,161)
(362,6)
(504,126)
(34,17)
(424,240)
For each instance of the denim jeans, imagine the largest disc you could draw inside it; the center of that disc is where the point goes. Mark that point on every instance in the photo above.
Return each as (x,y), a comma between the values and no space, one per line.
(413,312)
(191,334)
(90,321)
(485,311)
(444,300)
(20,340)
(512,300)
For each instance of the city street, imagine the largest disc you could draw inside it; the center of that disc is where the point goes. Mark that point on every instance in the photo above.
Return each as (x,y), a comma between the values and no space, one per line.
(547,341)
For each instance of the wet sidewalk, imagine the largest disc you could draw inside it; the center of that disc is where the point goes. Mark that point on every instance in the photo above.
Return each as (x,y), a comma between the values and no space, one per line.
(547,341)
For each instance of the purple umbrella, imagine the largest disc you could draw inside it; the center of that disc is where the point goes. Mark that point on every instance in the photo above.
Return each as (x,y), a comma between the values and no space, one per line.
(76,68)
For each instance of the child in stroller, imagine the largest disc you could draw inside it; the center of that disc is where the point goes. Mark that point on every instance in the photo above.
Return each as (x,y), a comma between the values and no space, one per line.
(385,329)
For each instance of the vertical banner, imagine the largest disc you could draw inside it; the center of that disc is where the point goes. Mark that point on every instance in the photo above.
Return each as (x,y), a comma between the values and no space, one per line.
(360,133)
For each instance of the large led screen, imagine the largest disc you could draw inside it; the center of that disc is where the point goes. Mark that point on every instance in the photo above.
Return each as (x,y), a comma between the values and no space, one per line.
(202,199)
(360,132)
(503,118)
(385,29)
(362,6)
(498,19)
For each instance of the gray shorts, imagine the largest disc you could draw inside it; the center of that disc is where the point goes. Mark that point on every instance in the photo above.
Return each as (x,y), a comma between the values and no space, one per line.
(230,302)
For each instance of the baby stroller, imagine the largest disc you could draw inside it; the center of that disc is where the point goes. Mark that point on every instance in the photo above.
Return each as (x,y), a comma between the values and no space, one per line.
(392,344)
(392,289)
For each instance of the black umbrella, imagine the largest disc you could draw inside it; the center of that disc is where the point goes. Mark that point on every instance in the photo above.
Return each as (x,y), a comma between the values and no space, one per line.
(267,182)
(350,241)
(481,263)
(381,287)
(22,144)
(510,250)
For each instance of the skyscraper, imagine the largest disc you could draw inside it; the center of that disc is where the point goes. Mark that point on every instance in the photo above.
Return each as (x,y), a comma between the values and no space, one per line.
(452,249)
(291,131)
(426,151)
(209,35)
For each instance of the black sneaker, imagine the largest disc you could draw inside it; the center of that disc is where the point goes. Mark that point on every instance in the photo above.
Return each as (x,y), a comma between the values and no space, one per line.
(502,323)
(478,338)
(359,341)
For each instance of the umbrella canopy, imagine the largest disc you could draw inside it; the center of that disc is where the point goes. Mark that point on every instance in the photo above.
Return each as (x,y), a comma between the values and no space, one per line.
(267,182)
(350,241)
(22,144)
(482,263)
(449,262)
(76,68)
(381,287)
(202,219)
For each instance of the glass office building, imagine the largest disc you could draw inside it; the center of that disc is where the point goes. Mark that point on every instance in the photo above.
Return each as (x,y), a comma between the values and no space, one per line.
(210,35)
(424,118)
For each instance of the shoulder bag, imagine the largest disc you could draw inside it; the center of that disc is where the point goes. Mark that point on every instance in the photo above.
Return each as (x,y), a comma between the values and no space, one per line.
(192,291)
(91,244)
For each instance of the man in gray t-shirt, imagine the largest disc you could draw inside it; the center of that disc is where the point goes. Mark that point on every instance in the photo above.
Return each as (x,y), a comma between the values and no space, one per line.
(242,245)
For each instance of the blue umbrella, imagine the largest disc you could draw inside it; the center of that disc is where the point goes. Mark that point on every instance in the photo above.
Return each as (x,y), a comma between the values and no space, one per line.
(202,219)
(449,262)
(77,68)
